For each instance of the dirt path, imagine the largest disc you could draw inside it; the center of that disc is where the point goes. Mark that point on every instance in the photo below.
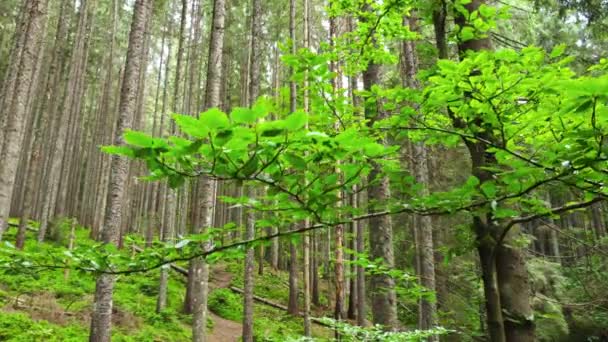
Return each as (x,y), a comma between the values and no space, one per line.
(223,330)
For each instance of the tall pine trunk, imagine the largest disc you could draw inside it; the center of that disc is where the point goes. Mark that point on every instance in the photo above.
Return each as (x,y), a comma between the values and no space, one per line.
(384,301)
(101,319)
(427,313)
(253,93)
(207,186)
(15,110)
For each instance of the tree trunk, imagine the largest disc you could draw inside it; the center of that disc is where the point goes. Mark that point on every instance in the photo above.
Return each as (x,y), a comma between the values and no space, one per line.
(339,229)
(65,117)
(293,103)
(207,186)
(167,225)
(102,313)
(248,278)
(512,298)
(254,90)
(427,313)
(492,297)
(292,305)
(359,244)
(15,108)
(384,299)
(191,190)
(514,288)
(353,297)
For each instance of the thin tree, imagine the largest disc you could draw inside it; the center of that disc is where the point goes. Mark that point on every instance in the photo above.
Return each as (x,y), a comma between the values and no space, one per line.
(65,117)
(254,90)
(207,185)
(292,305)
(427,313)
(307,264)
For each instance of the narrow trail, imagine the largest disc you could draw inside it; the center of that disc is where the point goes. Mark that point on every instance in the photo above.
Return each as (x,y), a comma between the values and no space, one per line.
(223,330)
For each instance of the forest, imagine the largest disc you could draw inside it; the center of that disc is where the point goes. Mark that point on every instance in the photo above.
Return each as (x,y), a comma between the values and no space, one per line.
(303,170)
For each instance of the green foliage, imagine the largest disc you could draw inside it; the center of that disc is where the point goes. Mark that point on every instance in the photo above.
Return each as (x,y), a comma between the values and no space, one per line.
(17,327)
(134,298)
(550,322)
(548,285)
(377,333)
(537,121)
(226,304)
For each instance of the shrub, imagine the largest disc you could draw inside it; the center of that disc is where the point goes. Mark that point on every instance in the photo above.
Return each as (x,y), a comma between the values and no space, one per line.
(226,304)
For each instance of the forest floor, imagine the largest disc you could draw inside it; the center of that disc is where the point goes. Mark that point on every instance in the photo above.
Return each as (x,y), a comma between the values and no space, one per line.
(48,306)
(223,330)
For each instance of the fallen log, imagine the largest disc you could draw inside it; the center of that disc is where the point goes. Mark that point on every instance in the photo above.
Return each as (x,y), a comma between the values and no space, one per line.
(278,306)
(16,225)
(265,301)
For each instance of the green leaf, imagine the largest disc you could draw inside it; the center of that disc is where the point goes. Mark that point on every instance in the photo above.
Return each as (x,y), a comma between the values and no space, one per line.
(489,189)
(262,107)
(558,50)
(138,139)
(223,136)
(504,212)
(296,161)
(373,149)
(214,119)
(250,167)
(119,150)
(487,11)
(273,132)
(175,181)
(472,181)
(296,121)
(243,115)
(467,33)
(190,126)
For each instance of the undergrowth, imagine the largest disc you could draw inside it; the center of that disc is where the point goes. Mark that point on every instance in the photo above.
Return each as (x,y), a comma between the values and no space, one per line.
(71,300)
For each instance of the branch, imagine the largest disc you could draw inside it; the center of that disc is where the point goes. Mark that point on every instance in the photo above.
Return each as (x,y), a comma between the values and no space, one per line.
(553,211)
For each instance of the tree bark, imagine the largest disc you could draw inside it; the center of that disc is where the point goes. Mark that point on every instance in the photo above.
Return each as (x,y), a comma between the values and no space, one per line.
(292,306)
(384,299)
(427,313)
(293,103)
(15,109)
(102,312)
(254,90)
(508,307)
(167,225)
(514,288)
(65,116)
(207,186)
(248,279)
